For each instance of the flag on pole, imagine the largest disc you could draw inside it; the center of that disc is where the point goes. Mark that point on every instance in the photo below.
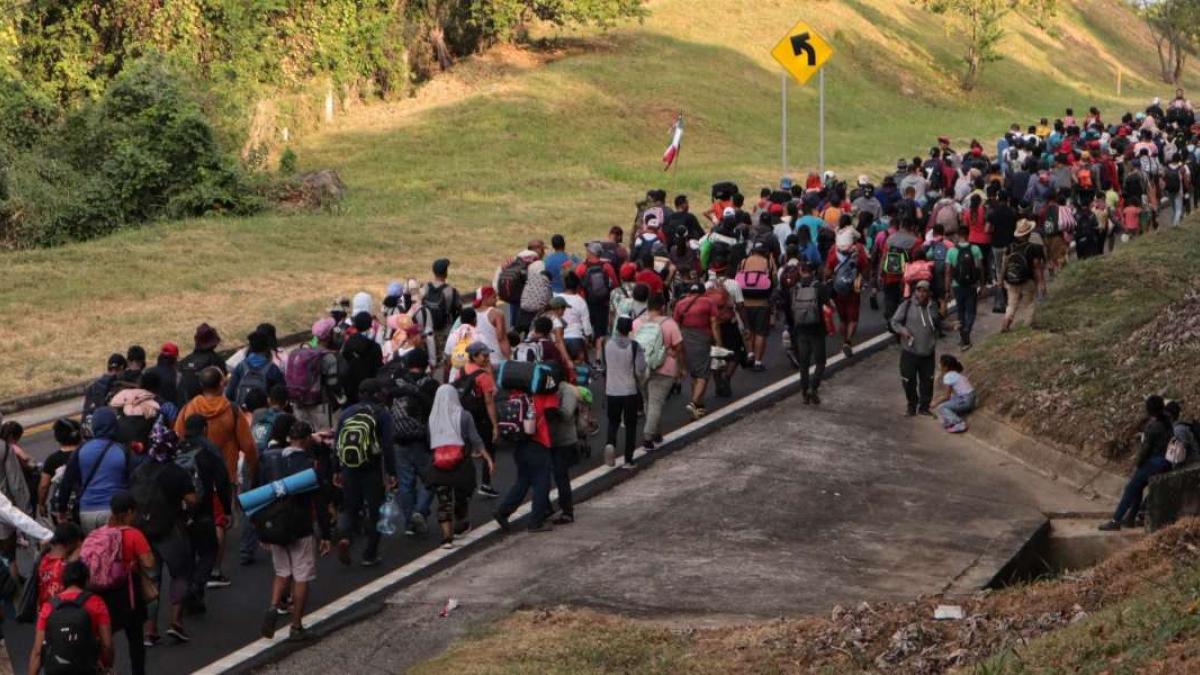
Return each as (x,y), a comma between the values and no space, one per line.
(672,152)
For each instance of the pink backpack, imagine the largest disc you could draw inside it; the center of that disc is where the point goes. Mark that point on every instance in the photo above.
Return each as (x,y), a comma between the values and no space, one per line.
(101,552)
(303,376)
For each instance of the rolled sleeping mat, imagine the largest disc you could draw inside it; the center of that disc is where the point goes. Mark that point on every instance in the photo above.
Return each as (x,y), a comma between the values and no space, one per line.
(531,377)
(260,497)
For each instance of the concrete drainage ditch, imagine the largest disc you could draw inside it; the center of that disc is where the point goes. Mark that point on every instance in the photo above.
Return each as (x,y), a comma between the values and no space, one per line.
(1062,543)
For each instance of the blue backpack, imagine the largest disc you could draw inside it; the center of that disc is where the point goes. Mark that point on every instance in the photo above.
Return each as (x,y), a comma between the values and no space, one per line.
(937,251)
(845,274)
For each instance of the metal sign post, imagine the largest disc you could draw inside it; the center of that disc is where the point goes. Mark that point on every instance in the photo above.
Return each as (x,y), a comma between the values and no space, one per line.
(783,139)
(821,124)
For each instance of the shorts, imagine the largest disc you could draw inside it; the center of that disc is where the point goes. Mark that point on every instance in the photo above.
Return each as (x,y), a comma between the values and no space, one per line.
(297,560)
(598,313)
(758,320)
(576,347)
(697,350)
(848,306)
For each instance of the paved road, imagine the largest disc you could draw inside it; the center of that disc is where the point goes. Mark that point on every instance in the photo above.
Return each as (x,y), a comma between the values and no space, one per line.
(235,612)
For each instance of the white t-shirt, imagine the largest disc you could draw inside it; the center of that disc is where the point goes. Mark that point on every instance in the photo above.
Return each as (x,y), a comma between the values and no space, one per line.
(958,382)
(576,316)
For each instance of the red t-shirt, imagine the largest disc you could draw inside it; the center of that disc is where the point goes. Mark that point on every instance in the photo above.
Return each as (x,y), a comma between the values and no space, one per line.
(133,547)
(94,606)
(695,311)
(50,572)
(485,382)
(976,221)
(581,272)
(651,279)
(832,260)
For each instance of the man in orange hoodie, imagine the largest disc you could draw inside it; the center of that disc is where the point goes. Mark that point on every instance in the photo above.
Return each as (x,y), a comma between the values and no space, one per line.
(229,430)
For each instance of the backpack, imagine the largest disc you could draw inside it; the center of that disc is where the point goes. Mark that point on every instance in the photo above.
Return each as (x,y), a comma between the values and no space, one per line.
(528,350)
(720,250)
(937,252)
(806,305)
(597,283)
(1174,180)
(70,647)
(188,385)
(511,282)
(97,394)
(755,284)
(156,514)
(186,460)
(966,272)
(101,552)
(1017,269)
(358,440)
(1050,223)
(516,418)
(252,378)
(468,394)
(281,522)
(438,304)
(408,413)
(303,376)
(261,430)
(458,355)
(649,337)
(844,275)
(933,174)
(1176,451)
(895,261)
(1131,186)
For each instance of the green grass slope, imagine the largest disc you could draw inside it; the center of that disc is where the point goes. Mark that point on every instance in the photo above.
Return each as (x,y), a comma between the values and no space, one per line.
(517,144)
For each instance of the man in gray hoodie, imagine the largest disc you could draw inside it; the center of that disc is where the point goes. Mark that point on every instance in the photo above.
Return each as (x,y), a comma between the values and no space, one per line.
(917,323)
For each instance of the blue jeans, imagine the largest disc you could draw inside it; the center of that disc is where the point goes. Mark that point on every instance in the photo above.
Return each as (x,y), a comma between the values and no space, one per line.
(533,472)
(414,496)
(951,410)
(1131,499)
(966,300)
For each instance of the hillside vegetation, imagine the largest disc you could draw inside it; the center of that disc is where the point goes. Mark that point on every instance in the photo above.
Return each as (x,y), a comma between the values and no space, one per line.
(562,137)
(1113,330)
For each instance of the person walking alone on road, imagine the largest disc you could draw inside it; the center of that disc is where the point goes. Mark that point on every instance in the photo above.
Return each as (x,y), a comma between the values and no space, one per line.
(918,325)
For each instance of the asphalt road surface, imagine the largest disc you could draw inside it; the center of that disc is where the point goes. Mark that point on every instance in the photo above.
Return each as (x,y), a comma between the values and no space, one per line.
(235,613)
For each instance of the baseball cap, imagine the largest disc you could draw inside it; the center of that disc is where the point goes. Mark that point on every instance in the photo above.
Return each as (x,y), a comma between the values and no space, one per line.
(923,284)
(321,329)
(169,349)
(728,212)
(476,348)
(558,302)
(483,294)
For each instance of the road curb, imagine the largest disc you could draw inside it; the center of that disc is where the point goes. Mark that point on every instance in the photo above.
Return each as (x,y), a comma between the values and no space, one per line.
(369,598)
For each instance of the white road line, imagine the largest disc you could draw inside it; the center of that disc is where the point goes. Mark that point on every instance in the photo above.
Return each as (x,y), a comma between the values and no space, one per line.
(326,612)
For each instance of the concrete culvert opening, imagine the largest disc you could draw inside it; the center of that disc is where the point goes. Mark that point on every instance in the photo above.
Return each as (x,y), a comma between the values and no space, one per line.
(1060,545)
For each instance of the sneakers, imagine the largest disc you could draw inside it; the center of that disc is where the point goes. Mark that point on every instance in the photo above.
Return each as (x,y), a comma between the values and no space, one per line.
(343,551)
(807,398)
(370,560)
(647,445)
(543,526)
(417,524)
(176,631)
(218,580)
(149,641)
(630,466)
(502,521)
(957,428)
(299,634)
(610,454)
(486,490)
(246,560)
(926,412)
(812,396)
(695,411)
(563,519)
(758,367)
(847,350)
(268,623)
(447,544)
(1110,526)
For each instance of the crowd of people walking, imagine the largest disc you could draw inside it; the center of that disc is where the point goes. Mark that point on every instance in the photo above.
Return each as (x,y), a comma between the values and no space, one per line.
(399,408)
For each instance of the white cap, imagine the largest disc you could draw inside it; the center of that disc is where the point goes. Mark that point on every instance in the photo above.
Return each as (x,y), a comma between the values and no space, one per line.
(729,212)
(863,180)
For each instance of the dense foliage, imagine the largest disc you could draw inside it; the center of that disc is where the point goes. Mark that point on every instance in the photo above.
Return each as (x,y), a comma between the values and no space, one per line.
(115,112)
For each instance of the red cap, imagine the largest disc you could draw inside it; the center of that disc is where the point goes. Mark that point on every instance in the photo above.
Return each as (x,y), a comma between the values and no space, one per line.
(169,349)
(483,294)
(776,209)
(628,271)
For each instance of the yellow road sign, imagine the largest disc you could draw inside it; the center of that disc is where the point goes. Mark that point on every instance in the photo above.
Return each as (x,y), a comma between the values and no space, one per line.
(802,52)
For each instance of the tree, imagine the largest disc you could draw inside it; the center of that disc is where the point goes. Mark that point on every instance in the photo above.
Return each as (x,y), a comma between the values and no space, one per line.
(979,21)
(1174,26)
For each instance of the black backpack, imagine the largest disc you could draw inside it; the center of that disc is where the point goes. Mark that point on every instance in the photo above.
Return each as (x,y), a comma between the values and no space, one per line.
(409,412)
(933,174)
(1174,180)
(97,394)
(438,304)
(598,284)
(156,514)
(286,519)
(1017,267)
(252,379)
(468,394)
(966,271)
(70,647)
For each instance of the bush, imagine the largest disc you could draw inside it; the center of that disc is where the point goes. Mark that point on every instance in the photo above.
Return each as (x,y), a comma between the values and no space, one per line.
(287,162)
(144,150)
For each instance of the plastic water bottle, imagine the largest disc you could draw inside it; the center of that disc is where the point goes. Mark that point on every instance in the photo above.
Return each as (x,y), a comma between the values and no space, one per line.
(389,516)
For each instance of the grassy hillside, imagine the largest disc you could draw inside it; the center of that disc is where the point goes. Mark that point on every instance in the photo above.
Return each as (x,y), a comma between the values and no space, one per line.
(517,144)
(1112,331)
(1136,612)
